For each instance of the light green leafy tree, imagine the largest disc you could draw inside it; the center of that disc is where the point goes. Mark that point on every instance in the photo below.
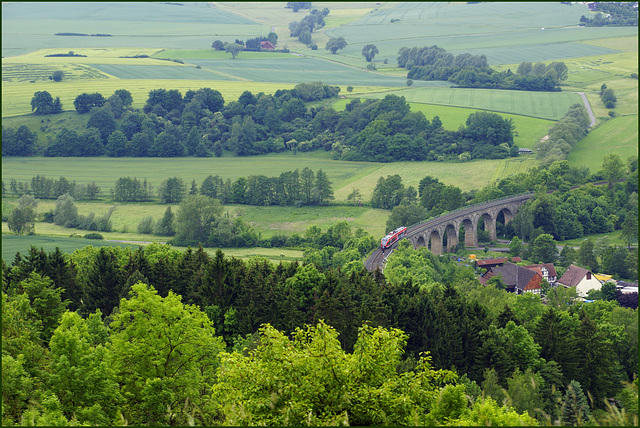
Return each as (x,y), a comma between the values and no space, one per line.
(79,374)
(164,354)
(487,412)
(310,380)
(22,218)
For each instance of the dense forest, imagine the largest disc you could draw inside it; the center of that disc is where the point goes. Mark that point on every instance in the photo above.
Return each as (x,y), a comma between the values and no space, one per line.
(200,123)
(238,342)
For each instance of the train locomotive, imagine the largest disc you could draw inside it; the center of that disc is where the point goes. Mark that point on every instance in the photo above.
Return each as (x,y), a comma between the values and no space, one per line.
(392,237)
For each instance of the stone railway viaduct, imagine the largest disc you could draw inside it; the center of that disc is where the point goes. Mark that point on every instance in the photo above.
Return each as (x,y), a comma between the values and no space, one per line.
(433,231)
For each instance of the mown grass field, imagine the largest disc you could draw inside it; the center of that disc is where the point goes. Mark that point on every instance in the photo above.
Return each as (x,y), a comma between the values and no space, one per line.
(11,244)
(618,135)
(529,130)
(544,105)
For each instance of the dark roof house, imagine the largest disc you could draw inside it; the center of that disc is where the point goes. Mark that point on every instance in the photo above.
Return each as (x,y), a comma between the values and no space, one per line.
(489,263)
(517,278)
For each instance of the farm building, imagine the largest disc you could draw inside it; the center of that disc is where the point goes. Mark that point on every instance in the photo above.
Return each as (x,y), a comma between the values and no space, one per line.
(489,263)
(517,279)
(581,278)
(267,45)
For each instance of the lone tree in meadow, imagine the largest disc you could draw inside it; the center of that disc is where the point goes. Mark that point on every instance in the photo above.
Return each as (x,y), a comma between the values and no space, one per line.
(334,45)
(233,48)
(369,52)
(57,75)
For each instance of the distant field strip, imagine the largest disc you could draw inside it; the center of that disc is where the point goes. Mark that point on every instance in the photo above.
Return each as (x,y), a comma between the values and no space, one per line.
(544,105)
(300,70)
(16,97)
(161,72)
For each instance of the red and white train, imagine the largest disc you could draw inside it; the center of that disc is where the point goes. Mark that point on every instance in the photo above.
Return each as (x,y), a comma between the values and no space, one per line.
(392,237)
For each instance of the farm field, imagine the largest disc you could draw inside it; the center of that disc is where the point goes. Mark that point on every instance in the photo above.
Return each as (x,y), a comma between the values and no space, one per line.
(544,105)
(30,26)
(504,32)
(284,70)
(343,175)
(11,244)
(618,135)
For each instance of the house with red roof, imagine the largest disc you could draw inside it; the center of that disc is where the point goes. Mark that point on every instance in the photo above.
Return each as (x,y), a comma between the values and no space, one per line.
(267,46)
(517,279)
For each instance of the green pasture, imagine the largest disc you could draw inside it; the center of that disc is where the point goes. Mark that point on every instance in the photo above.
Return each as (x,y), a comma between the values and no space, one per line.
(529,130)
(162,72)
(618,135)
(612,238)
(11,244)
(543,105)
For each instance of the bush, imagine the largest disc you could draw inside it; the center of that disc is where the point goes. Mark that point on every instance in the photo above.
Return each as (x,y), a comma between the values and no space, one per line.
(57,76)
(146,226)
(94,236)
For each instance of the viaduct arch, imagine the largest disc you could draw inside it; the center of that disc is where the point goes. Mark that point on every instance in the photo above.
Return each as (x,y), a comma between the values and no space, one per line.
(434,231)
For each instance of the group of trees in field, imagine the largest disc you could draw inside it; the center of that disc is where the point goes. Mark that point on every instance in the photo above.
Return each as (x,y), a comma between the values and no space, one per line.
(607,96)
(43,103)
(221,326)
(612,14)
(201,124)
(252,45)
(304,29)
(473,71)
(563,135)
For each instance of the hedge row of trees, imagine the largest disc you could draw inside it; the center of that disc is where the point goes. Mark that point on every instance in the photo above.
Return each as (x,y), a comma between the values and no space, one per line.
(472,71)
(201,124)
(563,135)
(483,342)
(303,29)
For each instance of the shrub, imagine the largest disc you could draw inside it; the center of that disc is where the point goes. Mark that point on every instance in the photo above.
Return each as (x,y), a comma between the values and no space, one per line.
(146,226)
(94,236)
(57,76)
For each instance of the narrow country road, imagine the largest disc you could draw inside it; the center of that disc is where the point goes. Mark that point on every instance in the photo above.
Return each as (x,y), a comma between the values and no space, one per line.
(588,106)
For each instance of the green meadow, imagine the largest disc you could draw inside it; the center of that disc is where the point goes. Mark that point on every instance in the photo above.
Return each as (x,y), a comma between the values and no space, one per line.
(343,175)
(11,244)
(618,135)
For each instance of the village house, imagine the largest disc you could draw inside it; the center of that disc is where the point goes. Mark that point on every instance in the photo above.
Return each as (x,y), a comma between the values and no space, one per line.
(583,279)
(517,279)
(547,270)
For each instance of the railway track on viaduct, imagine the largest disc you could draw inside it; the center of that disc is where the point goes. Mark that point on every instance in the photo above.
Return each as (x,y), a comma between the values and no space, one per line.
(377,258)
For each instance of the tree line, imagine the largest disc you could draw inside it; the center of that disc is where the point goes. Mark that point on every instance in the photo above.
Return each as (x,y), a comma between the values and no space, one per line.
(201,124)
(612,14)
(65,315)
(473,71)
(297,188)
